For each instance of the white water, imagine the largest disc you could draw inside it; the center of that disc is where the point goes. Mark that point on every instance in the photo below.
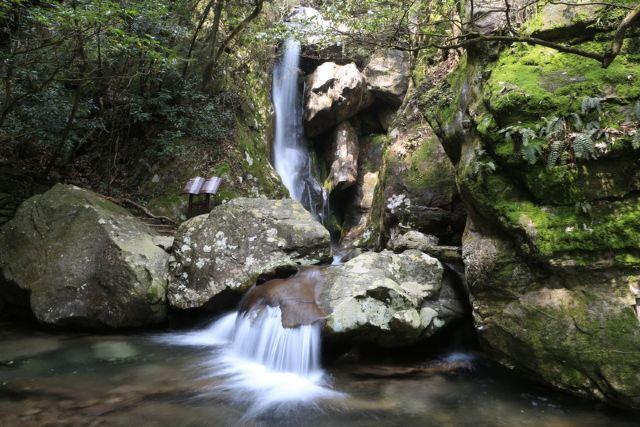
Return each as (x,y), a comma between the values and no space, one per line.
(291,157)
(262,365)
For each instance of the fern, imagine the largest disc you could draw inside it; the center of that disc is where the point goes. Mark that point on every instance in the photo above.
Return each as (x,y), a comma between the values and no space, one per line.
(480,167)
(576,121)
(589,104)
(553,127)
(530,153)
(582,145)
(555,150)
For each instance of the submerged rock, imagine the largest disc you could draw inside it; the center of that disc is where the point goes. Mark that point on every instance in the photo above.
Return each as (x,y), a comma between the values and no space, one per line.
(334,93)
(225,252)
(387,75)
(79,260)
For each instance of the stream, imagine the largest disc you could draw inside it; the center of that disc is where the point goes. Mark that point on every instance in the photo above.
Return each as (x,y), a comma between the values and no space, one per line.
(174,379)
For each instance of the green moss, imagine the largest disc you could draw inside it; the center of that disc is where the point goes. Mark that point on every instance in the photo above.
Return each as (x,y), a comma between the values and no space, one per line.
(584,331)
(558,229)
(429,168)
(528,82)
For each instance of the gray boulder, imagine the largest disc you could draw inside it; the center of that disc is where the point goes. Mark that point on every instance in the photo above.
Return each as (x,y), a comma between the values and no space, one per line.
(334,93)
(389,299)
(225,252)
(79,260)
(387,75)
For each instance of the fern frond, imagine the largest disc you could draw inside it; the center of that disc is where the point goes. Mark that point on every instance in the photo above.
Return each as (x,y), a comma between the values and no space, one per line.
(582,145)
(576,121)
(555,150)
(589,104)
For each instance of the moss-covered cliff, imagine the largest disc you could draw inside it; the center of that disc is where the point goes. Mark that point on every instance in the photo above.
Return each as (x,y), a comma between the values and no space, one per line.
(547,162)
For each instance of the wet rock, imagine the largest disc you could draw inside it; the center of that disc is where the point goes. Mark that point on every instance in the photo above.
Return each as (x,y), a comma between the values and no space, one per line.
(343,172)
(380,298)
(225,252)
(413,239)
(387,75)
(555,290)
(334,93)
(79,260)
(388,299)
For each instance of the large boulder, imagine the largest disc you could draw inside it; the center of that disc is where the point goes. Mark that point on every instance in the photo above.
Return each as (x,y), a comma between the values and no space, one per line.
(343,158)
(389,299)
(381,298)
(551,255)
(388,74)
(224,253)
(334,93)
(79,260)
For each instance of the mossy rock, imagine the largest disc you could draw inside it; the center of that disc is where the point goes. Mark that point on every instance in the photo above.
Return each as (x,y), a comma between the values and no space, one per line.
(78,260)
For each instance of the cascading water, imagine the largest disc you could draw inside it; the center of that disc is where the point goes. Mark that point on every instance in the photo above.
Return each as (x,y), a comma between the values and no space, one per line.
(263,364)
(291,156)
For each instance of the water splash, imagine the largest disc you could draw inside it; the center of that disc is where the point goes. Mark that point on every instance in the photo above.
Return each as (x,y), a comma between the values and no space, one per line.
(291,157)
(268,368)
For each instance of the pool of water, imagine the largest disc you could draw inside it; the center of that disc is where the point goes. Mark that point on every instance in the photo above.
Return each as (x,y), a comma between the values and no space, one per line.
(93,380)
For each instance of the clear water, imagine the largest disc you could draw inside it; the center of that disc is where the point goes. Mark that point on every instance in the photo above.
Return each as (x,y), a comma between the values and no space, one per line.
(72,379)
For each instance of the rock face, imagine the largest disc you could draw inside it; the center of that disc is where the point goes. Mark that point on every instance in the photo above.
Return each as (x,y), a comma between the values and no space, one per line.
(551,253)
(334,93)
(417,188)
(387,75)
(343,171)
(355,231)
(389,299)
(225,252)
(78,260)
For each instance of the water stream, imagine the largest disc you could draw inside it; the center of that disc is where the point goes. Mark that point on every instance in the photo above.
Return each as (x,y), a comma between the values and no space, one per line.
(175,379)
(291,154)
(261,364)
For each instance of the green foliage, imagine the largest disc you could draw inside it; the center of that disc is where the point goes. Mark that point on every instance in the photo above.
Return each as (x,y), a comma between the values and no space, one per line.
(482,165)
(562,138)
(107,79)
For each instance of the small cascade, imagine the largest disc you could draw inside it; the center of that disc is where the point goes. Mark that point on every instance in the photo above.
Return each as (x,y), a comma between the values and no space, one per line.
(260,337)
(263,365)
(291,156)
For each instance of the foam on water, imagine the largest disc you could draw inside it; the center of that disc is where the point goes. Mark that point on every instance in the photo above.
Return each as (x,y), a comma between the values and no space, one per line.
(263,365)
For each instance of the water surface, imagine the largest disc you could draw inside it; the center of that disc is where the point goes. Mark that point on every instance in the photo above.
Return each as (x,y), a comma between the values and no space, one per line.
(80,379)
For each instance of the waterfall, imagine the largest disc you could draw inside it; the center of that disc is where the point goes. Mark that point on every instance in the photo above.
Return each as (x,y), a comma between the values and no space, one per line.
(264,365)
(291,156)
